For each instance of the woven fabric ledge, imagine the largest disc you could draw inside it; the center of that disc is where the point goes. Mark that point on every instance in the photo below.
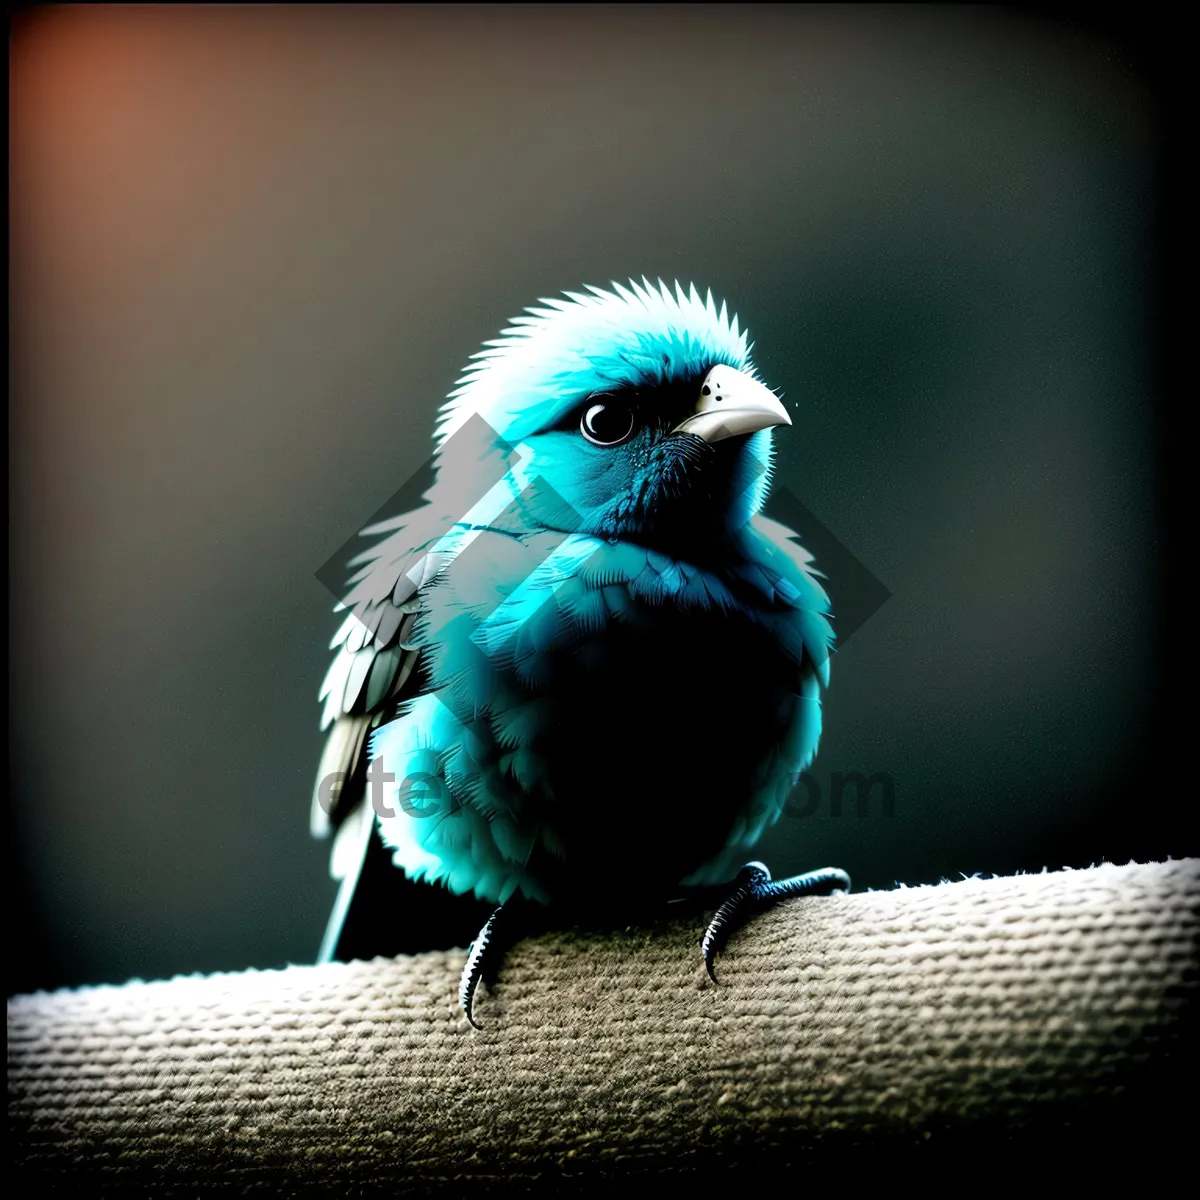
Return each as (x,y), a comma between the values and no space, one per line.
(1015,1012)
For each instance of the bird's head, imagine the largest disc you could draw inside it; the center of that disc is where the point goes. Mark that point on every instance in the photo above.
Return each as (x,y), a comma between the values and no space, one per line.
(638,406)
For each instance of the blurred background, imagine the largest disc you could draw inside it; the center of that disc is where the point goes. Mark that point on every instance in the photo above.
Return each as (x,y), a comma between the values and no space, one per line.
(251,250)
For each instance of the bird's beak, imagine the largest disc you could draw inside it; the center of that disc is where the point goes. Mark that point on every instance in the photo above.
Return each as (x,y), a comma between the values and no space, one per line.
(732,403)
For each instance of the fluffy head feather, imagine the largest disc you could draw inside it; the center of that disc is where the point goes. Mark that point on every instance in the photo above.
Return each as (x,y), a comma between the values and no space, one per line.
(545,362)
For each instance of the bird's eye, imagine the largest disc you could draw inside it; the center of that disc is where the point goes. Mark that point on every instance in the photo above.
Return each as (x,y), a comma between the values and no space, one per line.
(607,422)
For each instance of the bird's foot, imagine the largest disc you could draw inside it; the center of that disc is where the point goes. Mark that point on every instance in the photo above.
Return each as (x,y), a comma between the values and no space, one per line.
(754,891)
(486,953)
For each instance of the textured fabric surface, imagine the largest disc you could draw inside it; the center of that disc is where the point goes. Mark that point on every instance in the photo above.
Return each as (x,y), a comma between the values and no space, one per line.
(1011,1012)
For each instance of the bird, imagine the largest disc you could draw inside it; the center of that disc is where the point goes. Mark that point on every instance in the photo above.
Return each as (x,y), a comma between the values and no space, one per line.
(587,668)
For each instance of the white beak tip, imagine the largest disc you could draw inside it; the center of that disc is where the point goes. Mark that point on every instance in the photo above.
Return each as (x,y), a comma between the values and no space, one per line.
(732,403)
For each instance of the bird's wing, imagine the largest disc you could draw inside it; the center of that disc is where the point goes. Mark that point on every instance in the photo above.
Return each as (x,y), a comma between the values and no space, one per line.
(376,668)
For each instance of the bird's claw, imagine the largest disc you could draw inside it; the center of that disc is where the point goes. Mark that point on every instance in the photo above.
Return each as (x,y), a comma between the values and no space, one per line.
(754,890)
(486,952)
(478,960)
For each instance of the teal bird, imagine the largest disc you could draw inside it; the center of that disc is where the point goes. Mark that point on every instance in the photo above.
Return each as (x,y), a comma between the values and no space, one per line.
(588,668)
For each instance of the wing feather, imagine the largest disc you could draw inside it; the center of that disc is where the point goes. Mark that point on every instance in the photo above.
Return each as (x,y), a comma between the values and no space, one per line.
(376,669)
(375,663)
